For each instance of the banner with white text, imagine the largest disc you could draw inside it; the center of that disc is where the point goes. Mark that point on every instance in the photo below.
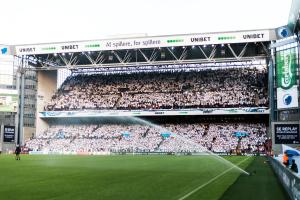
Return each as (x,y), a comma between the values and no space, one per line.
(147,42)
(286,71)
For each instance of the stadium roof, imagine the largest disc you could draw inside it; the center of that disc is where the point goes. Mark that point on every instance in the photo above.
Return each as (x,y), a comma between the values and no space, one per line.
(48,21)
(150,51)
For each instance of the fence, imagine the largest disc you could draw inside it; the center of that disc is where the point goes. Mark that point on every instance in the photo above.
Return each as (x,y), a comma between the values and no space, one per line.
(289,180)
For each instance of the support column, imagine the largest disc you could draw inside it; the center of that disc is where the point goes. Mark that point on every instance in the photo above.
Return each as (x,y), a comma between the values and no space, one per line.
(20,85)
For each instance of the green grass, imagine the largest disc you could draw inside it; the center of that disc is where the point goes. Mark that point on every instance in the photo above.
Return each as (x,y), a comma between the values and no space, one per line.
(115,177)
(262,184)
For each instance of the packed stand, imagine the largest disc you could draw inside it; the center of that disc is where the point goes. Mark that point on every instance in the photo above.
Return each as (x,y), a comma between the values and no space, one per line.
(219,88)
(215,137)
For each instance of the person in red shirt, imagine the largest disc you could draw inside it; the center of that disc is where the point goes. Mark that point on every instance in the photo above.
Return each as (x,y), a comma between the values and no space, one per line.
(285,159)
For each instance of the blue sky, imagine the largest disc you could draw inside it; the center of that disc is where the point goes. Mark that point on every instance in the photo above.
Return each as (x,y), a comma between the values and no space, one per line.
(42,21)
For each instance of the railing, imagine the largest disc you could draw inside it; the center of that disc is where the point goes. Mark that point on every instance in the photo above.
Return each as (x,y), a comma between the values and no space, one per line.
(289,180)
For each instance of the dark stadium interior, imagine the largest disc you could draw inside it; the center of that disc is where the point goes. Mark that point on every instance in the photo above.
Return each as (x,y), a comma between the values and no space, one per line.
(165,119)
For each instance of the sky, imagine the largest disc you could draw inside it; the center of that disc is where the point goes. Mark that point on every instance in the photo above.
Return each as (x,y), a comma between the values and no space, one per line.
(46,21)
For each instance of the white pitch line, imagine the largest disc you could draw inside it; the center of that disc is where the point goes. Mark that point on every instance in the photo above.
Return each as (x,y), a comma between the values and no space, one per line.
(211,180)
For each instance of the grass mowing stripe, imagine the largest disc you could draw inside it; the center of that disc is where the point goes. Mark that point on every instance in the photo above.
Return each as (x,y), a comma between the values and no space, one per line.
(210,181)
(113,177)
(261,184)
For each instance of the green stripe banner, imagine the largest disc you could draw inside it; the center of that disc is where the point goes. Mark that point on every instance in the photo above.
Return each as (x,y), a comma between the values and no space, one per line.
(287,92)
(286,62)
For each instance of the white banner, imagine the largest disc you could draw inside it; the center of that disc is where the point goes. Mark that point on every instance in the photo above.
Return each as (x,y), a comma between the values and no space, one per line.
(109,113)
(147,42)
(287,98)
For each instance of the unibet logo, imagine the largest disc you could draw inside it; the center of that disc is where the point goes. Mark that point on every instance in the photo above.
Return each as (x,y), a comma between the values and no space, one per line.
(4,50)
(287,99)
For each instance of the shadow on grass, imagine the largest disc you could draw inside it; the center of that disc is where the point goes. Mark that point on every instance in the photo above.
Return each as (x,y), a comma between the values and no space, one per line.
(261,184)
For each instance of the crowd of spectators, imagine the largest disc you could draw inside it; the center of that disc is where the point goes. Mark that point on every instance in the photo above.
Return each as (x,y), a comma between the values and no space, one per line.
(197,137)
(209,88)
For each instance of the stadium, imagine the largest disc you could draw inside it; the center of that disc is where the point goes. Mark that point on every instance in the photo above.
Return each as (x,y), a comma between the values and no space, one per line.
(212,115)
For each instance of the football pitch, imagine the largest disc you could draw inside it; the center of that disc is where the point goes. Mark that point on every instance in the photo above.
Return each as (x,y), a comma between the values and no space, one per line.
(38,177)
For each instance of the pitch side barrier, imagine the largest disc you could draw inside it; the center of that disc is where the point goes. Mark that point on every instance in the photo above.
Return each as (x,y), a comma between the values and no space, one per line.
(118,153)
(181,153)
(157,112)
(289,180)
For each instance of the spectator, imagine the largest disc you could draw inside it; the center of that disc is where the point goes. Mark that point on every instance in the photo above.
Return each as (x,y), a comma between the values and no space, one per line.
(285,159)
(211,88)
(217,137)
(294,166)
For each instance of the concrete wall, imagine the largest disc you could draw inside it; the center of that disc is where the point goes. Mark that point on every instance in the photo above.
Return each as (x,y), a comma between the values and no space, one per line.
(46,87)
(289,180)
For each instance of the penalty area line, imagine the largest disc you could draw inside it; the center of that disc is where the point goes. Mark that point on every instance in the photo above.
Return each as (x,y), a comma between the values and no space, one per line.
(211,180)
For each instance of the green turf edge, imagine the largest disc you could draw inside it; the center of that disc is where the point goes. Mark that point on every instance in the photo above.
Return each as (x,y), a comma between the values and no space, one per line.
(45,184)
(215,189)
(262,184)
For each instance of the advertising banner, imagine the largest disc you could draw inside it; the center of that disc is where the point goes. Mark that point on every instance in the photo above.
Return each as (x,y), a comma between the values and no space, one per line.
(9,134)
(5,50)
(286,133)
(8,100)
(286,71)
(147,42)
(166,112)
(287,98)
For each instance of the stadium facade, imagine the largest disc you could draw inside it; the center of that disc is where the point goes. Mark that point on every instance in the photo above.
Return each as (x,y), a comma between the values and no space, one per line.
(228,92)
(40,66)
(190,52)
